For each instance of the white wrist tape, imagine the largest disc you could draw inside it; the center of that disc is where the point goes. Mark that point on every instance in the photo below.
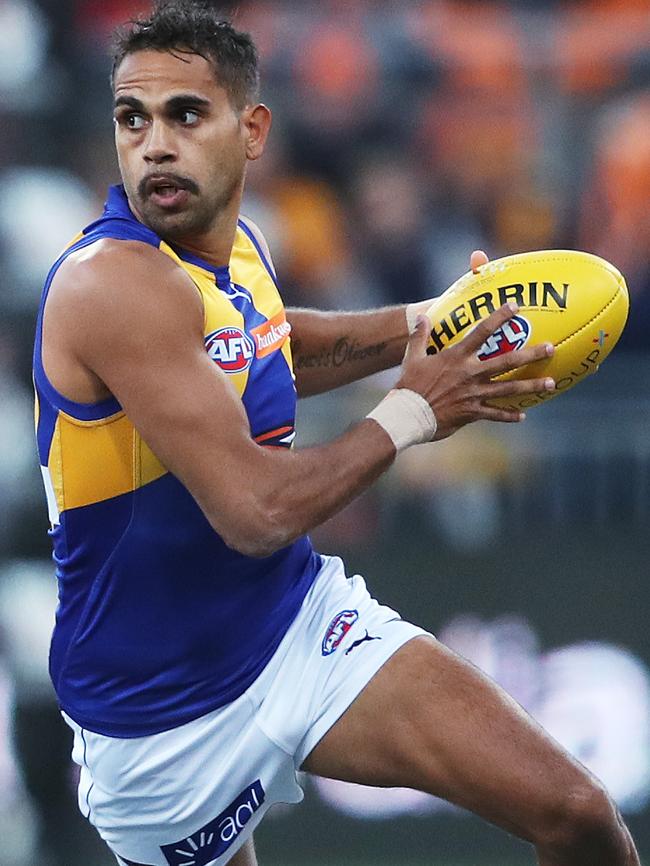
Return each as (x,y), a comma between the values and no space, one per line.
(407,418)
(414,310)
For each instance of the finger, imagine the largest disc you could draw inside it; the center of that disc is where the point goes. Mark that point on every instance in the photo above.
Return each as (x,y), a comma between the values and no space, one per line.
(518,387)
(514,360)
(477,260)
(419,337)
(507,416)
(475,339)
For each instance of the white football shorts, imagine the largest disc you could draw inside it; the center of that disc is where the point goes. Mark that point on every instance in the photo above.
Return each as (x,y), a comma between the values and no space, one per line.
(193,795)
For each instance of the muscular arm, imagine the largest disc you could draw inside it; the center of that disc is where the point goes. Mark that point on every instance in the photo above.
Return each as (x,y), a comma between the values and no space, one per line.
(333,349)
(125,317)
(134,320)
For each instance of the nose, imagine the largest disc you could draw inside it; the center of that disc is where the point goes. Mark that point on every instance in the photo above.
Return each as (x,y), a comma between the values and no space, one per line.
(159,145)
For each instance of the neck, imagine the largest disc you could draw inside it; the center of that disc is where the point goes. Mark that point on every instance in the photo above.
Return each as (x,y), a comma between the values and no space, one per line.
(214,245)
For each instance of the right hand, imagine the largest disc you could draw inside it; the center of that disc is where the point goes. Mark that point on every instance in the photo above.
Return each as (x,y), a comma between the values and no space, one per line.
(457,385)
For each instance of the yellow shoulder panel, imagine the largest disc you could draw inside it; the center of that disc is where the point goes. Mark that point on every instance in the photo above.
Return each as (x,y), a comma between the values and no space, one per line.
(102,459)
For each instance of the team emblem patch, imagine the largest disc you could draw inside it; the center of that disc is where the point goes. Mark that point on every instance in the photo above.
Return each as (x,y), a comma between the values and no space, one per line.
(510,337)
(231,349)
(337,630)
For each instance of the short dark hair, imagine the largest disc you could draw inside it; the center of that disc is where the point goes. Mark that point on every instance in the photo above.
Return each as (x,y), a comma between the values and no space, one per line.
(198,28)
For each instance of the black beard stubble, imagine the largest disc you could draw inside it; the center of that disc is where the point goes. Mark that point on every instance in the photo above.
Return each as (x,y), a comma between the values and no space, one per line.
(195,220)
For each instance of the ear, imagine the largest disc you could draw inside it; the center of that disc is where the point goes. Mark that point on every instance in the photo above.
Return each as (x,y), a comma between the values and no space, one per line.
(256,120)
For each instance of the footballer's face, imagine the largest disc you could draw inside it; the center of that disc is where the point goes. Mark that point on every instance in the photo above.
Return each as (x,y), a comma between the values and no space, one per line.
(181,146)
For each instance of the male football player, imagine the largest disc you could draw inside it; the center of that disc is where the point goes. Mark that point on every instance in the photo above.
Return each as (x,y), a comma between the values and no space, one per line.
(200,652)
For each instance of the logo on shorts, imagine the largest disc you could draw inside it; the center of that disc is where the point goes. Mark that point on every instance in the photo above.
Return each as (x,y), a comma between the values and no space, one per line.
(210,841)
(231,349)
(337,630)
(367,637)
(510,337)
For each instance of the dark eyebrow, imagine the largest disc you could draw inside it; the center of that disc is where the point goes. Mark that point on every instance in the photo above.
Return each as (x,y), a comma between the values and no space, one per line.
(186,100)
(183,100)
(130,101)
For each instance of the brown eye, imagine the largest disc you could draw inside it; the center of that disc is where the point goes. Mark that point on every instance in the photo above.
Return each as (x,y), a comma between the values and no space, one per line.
(188,117)
(135,121)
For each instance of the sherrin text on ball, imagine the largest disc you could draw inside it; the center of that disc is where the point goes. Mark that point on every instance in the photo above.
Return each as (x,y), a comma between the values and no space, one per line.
(575,300)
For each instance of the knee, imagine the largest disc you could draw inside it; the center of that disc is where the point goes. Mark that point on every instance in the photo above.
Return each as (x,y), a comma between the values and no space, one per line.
(586,820)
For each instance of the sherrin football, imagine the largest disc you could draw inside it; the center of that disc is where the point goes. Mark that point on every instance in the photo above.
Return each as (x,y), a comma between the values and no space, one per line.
(575,300)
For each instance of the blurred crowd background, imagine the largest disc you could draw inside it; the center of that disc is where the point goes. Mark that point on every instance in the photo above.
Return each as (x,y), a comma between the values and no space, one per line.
(405,135)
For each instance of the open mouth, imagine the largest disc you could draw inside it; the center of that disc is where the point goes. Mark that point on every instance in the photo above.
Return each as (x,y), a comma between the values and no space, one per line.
(166,192)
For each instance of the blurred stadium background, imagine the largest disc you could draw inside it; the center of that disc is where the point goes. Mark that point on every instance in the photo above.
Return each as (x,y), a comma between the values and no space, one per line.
(406,134)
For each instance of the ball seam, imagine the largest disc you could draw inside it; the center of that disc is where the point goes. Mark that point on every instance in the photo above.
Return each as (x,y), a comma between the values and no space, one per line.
(590,322)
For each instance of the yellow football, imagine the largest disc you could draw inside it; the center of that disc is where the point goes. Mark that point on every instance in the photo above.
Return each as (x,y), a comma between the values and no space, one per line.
(575,300)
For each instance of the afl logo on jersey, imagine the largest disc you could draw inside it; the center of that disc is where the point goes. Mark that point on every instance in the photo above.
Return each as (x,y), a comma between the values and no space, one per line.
(231,349)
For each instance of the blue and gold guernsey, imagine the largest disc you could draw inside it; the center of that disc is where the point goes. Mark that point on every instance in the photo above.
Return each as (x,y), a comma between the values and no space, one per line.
(158,621)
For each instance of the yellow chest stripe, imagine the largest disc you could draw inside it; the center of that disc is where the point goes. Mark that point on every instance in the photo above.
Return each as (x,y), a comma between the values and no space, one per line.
(102,459)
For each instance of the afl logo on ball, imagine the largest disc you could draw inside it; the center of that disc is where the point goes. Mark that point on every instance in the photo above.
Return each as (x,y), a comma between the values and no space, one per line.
(231,349)
(510,337)
(337,630)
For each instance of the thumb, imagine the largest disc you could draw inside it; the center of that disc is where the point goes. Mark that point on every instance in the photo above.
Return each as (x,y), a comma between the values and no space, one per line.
(477,260)
(417,343)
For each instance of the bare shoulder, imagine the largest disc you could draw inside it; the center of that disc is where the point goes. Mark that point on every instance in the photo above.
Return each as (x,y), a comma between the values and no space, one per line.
(108,306)
(113,289)
(256,232)
(116,275)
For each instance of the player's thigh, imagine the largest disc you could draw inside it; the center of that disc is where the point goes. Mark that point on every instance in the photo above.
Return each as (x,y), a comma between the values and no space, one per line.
(245,856)
(430,720)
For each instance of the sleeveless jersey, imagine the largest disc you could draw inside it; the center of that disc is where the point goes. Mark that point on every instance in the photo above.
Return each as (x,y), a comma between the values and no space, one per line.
(158,621)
